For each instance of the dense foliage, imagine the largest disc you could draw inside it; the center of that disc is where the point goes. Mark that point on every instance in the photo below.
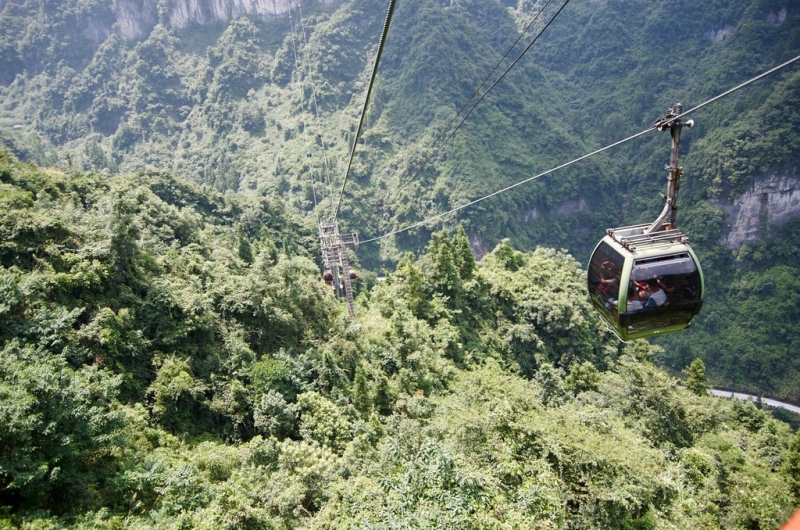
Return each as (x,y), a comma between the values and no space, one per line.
(171,359)
(238,105)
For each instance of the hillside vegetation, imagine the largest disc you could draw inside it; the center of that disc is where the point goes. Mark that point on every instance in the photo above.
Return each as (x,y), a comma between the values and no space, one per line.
(238,106)
(171,358)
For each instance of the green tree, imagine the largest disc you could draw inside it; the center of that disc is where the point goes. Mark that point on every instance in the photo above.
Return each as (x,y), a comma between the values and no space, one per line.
(273,416)
(792,467)
(243,245)
(361,398)
(321,421)
(582,377)
(412,287)
(176,395)
(462,253)
(443,271)
(59,429)
(551,380)
(696,380)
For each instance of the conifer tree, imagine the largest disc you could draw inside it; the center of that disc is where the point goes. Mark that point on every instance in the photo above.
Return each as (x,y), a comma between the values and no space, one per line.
(243,244)
(361,398)
(696,380)
(462,253)
(444,272)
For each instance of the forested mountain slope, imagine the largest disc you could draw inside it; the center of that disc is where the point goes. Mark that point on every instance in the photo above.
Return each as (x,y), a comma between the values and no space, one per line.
(170,358)
(233,105)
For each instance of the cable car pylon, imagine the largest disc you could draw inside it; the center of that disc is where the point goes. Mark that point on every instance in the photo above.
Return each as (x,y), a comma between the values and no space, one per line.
(337,267)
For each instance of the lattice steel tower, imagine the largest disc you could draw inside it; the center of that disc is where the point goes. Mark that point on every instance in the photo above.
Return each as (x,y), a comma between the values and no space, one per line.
(334,257)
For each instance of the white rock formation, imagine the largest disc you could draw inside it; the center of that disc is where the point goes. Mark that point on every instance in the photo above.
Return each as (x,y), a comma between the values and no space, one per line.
(135,18)
(773,199)
(718,34)
(777,19)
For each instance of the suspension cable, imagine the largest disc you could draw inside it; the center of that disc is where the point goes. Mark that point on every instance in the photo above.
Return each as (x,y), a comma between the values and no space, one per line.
(620,142)
(425,161)
(734,89)
(498,192)
(303,113)
(316,106)
(450,136)
(366,101)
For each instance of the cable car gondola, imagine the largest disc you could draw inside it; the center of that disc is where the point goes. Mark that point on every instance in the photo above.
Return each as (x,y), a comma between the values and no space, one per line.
(645,279)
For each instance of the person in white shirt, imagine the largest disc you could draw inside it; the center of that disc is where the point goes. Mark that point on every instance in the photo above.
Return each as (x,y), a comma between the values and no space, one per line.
(658,296)
(633,303)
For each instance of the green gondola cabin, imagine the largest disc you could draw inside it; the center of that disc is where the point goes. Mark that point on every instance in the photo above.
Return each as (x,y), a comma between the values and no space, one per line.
(645,284)
(645,280)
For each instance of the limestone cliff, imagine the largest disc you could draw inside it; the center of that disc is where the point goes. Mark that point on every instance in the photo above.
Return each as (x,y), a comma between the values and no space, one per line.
(3,3)
(135,18)
(772,199)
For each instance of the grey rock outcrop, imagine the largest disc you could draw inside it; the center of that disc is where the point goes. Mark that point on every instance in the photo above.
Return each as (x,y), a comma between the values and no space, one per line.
(135,18)
(772,200)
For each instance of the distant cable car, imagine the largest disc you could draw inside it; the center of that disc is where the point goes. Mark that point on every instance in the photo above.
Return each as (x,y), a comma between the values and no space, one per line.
(645,280)
(353,275)
(319,134)
(308,154)
(327,276)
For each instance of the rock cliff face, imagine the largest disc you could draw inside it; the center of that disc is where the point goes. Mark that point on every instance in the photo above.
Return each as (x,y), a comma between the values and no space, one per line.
(135,18)
(773,199)
(4,2)
(566,208)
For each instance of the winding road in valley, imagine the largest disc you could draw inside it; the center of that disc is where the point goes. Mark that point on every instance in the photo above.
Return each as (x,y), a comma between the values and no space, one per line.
(749,397)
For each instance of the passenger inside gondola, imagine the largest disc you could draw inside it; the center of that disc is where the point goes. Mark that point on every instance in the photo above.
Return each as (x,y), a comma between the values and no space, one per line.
(642,291)
(609,282)
(658,296)
(670,279)
(605,272)
(688,288)
(634,304)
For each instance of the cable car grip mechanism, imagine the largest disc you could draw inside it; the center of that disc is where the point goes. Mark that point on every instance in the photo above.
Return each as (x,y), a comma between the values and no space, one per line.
(674,123)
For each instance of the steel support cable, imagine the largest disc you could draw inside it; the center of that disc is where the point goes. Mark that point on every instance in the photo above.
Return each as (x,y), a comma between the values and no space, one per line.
(303,112)
(316,106)
(584,157)
(475,93)
(366,101)
(734,89)
(498,192)
(454,131)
